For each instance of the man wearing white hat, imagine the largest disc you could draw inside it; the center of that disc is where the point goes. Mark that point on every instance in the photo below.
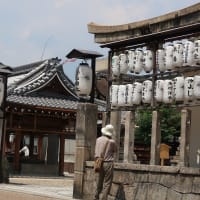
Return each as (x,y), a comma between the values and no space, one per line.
(105,148)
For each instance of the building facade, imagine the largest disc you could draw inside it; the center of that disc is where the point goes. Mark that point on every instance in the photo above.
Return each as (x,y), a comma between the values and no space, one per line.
(41,114)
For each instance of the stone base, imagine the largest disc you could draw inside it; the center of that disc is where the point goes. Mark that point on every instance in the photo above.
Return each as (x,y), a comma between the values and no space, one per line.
(147,182)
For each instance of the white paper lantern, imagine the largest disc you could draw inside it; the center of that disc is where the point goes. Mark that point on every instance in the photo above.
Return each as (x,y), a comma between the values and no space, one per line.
(27,140)
(197,52)
(138,61)
(169,51)
(178,89)
(83,80)
(188,89)
(188,54)
(147,92)
(148,60)
(115,65)
(11,137)
(168,91)
(114,95)
(160,60)
(131,61)
(129,89)
(123,63)
(122,95)
(178,54)
(159,90)
(196,90)
(137,93)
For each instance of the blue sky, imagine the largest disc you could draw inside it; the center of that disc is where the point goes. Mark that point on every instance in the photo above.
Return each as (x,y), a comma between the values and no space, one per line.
(32,30)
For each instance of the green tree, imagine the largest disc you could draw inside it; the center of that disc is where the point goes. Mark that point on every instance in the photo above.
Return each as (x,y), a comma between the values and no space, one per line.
(170,125)
(143,130)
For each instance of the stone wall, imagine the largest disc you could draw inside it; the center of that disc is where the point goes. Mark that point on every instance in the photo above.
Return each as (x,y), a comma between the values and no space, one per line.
(147,182)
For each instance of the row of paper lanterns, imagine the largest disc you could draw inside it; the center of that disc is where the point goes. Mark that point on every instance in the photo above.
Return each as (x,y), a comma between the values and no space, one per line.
(172,55)
(178,90)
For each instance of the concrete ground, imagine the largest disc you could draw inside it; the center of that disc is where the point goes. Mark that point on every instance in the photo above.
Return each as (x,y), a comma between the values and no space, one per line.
(37,188)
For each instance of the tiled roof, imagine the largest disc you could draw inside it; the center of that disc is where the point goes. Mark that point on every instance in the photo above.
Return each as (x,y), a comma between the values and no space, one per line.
(23,69)
(43,102)
(38,78)
(49,102)
(24,88)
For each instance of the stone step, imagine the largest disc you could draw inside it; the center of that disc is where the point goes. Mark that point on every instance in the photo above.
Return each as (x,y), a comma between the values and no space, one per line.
(176,158)
(174,161)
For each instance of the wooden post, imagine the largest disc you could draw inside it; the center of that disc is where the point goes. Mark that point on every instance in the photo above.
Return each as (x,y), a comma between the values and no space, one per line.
(109,83)
(129,137)
(17,148)
(93,62)
(61,155)
(184,138)
(86,132)
(155,139)
(40,147)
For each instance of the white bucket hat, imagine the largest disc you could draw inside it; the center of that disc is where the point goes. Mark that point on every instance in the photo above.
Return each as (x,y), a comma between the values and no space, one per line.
(108,130)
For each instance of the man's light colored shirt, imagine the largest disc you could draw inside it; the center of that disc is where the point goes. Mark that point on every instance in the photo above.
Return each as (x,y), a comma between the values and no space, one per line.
(111,148)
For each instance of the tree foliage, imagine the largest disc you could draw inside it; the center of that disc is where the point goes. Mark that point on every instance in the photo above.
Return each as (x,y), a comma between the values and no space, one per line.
(170,125)
(143,130)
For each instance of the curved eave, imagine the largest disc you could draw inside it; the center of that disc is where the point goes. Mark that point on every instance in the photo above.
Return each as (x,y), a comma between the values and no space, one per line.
(48,81)
(42,79)
(66,87)
(12,85)
(104,34)
(97,28)
(66,82)
(41,86)
(180,32)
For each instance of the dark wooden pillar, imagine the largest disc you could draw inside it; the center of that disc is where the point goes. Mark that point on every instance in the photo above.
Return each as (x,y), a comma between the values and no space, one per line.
(109,81)
(40,147)
(4,139)
(93,80)
(31,145)
(61,155)
(17,148)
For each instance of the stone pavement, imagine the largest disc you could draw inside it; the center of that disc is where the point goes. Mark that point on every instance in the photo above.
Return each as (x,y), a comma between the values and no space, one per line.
(40,188)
